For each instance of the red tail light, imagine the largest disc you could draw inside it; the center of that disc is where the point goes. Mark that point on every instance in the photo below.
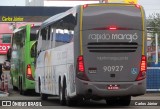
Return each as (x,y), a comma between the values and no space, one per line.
(80,64)
(143,69)
(32,25)
(80,69)
(29,72)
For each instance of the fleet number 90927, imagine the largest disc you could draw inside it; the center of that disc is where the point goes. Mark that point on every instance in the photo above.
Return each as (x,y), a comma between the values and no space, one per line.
(112,68)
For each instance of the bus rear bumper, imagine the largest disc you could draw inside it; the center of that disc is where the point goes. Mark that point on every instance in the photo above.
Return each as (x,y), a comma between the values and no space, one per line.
(100,89)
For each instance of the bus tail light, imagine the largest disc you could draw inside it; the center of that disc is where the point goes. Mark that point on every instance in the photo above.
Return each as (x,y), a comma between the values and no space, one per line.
(29,72)
(32,25)
(143,68)
(81,69)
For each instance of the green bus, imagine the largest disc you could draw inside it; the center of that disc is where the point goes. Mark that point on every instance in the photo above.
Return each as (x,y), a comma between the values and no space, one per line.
(23,55)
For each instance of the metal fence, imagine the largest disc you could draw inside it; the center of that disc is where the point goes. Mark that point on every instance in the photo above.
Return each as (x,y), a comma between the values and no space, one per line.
(153,79)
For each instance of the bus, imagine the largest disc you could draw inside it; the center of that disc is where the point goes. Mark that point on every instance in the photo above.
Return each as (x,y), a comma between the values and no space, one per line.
(93,51)
(23,54)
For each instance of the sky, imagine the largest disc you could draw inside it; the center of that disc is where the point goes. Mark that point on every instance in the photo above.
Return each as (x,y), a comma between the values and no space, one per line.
(150,6)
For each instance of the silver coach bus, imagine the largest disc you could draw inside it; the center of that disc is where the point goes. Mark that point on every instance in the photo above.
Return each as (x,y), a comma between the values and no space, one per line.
(93,51)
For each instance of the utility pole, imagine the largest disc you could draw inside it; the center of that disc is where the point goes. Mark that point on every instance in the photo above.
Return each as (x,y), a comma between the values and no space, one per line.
(156,41)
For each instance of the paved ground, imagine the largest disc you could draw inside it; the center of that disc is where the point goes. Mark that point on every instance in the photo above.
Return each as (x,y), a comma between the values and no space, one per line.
(53,102)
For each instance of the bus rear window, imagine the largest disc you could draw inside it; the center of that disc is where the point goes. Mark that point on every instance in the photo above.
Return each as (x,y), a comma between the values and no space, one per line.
(105,16)
(33,50)
(33,34)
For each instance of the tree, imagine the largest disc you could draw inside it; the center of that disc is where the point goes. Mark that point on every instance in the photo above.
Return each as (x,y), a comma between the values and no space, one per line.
(154,21)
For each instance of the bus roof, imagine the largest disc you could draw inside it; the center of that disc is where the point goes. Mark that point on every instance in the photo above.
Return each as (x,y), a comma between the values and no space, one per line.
(17,29)
(63,14)
(24,26)
(57,17)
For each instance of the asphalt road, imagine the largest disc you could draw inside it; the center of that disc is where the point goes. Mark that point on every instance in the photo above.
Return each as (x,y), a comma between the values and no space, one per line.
(53,102)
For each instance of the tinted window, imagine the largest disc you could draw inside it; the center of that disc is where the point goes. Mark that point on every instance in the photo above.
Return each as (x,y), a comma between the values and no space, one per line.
(6,38)
(33,50)
(33,33)
(104,16)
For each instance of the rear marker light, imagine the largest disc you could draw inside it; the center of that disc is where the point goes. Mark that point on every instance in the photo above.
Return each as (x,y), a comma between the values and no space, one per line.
(80,69)
(112,28)
(80,64)
(143,68)
(32,25)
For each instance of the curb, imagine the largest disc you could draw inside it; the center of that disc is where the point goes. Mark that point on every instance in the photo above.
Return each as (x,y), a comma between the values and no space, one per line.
(4,94)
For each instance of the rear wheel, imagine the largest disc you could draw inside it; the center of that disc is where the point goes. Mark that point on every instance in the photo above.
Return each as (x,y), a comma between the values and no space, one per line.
(125,101)
(111,102)
(20,86)
(15,88)
(22,92)
(69,101)
(72,102)
(43,96)
(121,101)
(62,95)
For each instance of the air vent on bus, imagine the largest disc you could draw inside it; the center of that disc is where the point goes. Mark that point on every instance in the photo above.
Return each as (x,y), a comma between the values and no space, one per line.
(112,47)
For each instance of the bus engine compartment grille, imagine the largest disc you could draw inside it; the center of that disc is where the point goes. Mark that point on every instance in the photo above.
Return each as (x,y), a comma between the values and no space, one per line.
(112,47)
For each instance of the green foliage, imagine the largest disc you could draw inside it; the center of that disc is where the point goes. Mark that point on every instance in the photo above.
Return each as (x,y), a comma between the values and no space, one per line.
(154,21)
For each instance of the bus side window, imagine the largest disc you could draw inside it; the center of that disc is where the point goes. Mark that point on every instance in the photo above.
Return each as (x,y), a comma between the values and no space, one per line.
(65,30)
(44,38)
(33,50)
(39,43)
(53,36)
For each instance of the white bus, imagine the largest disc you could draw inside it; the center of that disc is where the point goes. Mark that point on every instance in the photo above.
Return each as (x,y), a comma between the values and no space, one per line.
(93,51)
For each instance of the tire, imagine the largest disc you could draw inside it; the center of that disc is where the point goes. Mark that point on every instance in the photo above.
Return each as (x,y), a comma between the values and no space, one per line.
(119,101)
(62,97)
(22,92)
(15,88)
(20,87)
(125,101)
(111,102)
(71,102)
(43,96)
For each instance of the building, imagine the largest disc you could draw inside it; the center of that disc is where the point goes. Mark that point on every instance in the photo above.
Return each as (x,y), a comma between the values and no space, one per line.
(5,40)
(57,3)
(34,3)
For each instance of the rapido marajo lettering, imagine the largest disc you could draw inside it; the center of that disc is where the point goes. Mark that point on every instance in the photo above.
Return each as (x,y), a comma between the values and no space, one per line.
(129,37)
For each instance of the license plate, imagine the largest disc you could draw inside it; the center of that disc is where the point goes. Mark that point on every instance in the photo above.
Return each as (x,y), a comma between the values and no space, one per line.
(112,87)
